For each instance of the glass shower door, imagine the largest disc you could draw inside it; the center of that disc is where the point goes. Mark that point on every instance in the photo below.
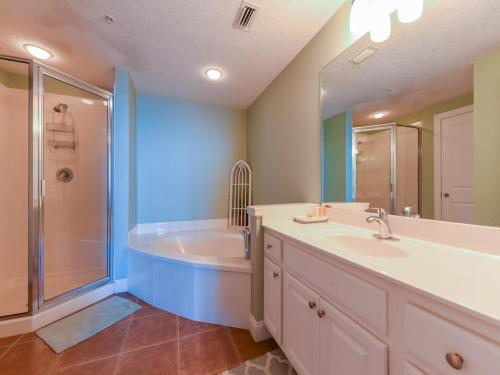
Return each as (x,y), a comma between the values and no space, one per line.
(373,167)
(14,186)
(75,194)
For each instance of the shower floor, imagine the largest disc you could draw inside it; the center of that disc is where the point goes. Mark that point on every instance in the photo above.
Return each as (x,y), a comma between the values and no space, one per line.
(14,297)
(56,285)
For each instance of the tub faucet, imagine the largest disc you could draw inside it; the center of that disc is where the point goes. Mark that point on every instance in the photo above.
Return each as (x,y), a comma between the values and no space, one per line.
(246,239)
(384,231)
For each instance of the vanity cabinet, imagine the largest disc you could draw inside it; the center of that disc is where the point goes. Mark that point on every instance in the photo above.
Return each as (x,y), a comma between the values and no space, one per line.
(332,318)
(301,326)
(272,298)
(320,340)
(346,347)
(447,348)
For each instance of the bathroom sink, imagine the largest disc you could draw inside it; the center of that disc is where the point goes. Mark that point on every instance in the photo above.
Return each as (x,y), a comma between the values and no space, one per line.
(372,247)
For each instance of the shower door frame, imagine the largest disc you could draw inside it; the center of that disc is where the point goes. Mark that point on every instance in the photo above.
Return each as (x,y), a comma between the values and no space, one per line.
(32,194)
(363,129)
(39,71)
(394,137)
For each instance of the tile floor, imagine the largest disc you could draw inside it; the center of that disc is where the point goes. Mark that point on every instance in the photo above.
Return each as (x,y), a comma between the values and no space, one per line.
(150,341)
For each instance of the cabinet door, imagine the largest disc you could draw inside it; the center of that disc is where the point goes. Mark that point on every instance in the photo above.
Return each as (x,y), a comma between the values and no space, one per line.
(347,348)
(272,299)
(300,326)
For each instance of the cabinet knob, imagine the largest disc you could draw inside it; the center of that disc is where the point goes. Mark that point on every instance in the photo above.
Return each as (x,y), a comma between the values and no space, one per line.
(275,275)
(269,246)
(455,360)
(321,313)
(312,305)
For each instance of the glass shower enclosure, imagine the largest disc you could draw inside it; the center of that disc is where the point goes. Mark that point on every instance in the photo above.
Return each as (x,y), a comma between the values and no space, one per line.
(55,162)
(387,167)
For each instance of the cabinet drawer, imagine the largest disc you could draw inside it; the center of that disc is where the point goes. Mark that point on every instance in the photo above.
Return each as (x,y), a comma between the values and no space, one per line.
(429,338)
(272,247)
(359,298)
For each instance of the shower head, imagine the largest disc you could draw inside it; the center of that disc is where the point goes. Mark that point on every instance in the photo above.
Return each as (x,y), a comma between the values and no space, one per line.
(61,107)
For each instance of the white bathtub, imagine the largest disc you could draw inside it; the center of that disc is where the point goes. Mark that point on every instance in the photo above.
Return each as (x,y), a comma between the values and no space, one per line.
(199,273)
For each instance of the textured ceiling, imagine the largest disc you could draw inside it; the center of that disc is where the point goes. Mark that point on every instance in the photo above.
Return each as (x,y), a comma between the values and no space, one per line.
(166,44)
(423,63)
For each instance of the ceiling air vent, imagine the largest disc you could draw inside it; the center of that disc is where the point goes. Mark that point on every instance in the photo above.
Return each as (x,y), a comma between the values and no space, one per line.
(246,15)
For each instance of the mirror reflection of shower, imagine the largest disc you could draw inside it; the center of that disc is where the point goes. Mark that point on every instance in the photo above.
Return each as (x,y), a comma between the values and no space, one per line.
(385,168)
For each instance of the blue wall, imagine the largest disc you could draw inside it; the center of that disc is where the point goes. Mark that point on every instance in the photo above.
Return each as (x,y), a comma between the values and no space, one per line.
(124,183)
(185,152)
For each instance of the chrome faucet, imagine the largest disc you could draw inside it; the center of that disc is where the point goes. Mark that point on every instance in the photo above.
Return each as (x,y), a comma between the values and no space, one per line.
(246,239)
(384,231)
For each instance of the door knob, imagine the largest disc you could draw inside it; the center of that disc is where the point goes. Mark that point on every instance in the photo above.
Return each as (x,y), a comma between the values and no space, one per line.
(446,195)
(275,275)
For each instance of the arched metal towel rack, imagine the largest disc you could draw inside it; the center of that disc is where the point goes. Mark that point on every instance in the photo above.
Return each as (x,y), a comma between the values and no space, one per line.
(240,194)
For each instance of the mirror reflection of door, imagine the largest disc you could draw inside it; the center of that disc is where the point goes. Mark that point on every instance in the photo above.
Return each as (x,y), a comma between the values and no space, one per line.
(455,184)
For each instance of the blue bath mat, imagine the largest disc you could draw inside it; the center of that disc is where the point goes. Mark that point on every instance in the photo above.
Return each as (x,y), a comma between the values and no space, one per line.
(75,328)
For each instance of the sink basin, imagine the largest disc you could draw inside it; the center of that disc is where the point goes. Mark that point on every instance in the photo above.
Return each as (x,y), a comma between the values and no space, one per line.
(367,246)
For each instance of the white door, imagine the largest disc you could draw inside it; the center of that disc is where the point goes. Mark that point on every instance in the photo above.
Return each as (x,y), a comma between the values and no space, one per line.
(456,195)
(347,348)
(272,299)
(300,326)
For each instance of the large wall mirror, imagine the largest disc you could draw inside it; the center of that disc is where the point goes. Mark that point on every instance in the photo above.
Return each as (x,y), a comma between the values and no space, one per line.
(412,125)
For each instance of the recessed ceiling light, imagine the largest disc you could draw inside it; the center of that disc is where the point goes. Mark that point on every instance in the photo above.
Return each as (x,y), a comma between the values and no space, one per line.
(213,74)
(87,101)
(378,115)
(37,52)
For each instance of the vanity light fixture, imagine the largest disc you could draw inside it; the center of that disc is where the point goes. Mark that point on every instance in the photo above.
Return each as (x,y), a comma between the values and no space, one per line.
(381,28)
(374,16)
(38,52)
(378,115)
(213,74)
(410,11)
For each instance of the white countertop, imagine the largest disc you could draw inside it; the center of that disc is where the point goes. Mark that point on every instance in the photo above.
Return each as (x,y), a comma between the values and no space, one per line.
(463,277)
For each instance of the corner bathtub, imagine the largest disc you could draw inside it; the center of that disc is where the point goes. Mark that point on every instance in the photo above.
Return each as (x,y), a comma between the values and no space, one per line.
(199,274)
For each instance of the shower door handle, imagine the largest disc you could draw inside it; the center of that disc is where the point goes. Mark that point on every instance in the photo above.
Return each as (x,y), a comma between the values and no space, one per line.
(446,195)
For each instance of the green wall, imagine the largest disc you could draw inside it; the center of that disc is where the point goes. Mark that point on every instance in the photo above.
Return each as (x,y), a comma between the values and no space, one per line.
(487,139)
(284,122)
(426,116)
(337,163)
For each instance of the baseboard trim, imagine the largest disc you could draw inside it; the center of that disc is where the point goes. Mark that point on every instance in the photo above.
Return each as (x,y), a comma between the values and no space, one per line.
(120,285)
(258,329)
(18,326)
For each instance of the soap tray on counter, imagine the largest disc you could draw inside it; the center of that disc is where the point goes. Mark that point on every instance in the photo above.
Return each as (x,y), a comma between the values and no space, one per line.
(310,220)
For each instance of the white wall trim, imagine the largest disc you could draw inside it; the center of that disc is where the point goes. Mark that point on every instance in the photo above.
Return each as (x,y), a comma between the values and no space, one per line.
(437,153)
(258,330)
(40,319)
(120,285)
